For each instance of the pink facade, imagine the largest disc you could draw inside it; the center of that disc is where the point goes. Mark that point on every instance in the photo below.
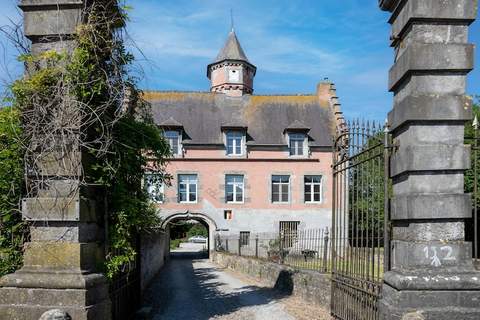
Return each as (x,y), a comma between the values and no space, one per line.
(211,166)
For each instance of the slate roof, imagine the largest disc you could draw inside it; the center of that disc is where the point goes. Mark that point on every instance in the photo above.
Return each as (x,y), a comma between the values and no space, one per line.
(203,115)
(232,50)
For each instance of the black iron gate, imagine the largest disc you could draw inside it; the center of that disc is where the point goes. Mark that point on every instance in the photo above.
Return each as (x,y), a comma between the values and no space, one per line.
(360,219)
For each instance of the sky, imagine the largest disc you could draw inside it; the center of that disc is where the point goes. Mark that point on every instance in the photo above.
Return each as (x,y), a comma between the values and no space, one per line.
(294,44)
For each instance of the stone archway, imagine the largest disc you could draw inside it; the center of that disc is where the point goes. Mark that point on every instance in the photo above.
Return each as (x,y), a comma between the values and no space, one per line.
(200,217)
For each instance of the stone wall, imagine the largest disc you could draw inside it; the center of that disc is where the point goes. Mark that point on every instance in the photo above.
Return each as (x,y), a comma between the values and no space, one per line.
(311,286)
(155,252)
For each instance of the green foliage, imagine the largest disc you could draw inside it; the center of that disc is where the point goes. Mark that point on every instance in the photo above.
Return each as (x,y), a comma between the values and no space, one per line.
(12,229)
(175,243)
(366,195)
(197,229)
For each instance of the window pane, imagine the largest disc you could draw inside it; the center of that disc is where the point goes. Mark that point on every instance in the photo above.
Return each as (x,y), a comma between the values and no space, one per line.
(239,197)
(238,149)
(308,196)
(229,188)
(285,188)
(193,197)
(230,197)
(183,187)
(317,179)
(308,188)
(316,188)
(275,188)
(276,178)
(316,197)
(183,196)
(275,197)
(285,197)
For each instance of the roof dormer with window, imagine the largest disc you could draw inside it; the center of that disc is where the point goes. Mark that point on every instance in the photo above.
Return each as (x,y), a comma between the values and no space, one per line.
(297,139)
(172,132)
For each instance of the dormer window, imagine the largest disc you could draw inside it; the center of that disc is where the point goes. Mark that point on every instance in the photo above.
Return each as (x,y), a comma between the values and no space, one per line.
(297,144)
(235,143)
(173,138)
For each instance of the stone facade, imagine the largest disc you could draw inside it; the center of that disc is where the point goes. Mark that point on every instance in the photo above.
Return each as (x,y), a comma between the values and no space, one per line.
(431,276)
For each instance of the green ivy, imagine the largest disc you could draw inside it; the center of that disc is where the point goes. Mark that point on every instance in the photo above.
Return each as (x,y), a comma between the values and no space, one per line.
(12,229)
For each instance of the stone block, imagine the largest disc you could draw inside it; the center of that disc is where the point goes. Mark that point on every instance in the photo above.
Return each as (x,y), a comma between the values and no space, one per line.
(428,133)
(60,164)
(431,206)
(438,256)
(430,158)
(429,182)
(430,108)
(65,231)
(431,57)
(54,255)
(428,231)
(424,280)
(59,209)
(51,18)
(453,12)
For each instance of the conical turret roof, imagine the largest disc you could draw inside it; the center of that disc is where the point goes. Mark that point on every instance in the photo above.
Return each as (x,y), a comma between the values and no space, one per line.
(232,50)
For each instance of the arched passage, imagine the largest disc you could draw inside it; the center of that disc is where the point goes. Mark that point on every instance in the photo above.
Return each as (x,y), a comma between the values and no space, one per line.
(204,219)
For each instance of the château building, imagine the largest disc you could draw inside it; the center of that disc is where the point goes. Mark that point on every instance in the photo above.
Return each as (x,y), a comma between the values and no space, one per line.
(244,162)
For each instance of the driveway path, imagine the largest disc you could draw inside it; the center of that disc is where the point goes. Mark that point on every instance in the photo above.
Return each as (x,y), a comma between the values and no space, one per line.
(192,288)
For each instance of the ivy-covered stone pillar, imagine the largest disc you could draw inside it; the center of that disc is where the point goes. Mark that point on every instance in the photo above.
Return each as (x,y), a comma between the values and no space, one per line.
(65,252)
(432,275)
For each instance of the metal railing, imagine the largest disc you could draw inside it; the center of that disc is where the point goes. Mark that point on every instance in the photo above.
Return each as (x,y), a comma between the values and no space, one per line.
(302,249)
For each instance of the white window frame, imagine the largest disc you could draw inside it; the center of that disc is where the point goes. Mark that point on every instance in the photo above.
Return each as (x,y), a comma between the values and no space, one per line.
(170,141)
(234,185)
(280,184)
(312,185)
(188,182)
(234,139)
(154,189)
(295,136)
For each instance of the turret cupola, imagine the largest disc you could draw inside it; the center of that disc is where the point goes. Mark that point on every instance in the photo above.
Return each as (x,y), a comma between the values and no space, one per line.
(231,72)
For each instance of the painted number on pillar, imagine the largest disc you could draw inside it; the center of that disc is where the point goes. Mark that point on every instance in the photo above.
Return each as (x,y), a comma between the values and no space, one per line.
(437,256)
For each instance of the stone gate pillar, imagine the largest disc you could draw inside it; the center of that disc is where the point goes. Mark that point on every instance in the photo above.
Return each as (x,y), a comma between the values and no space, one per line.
(61,261)
(432,276)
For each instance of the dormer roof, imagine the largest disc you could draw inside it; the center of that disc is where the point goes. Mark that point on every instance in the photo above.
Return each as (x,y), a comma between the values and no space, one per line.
(171,123)
(297,126)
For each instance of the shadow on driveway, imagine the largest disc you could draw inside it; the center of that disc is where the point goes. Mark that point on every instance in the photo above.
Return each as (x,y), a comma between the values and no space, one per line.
(190,287)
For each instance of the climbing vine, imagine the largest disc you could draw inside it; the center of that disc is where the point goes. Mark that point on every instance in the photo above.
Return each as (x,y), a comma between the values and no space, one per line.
(83,103)
(12,229)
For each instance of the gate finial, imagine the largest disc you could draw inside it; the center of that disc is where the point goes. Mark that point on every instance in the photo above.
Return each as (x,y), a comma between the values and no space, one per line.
(475,123)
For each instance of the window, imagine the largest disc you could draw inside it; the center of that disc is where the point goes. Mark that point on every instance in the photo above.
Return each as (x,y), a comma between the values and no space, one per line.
(296,144)
(187,188)
(313,189)
(288,232)
(280,189)
(244,238)
(234,188)
(234,143)
(154,187)
(173,138)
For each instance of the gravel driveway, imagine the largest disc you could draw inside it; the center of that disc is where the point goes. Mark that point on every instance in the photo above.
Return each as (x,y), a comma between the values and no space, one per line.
(192,288)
